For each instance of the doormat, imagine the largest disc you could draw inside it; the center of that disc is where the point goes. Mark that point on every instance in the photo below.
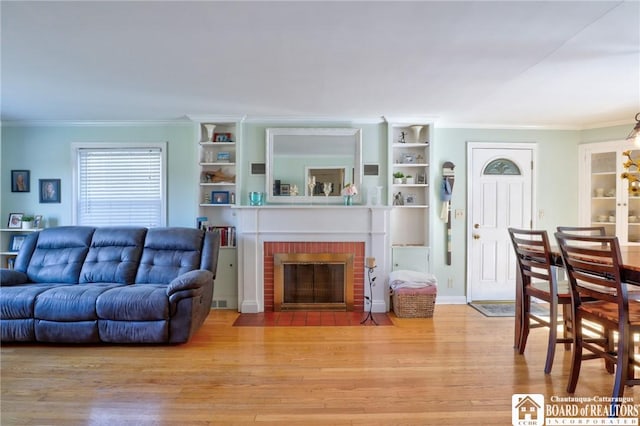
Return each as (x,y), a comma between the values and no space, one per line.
(309,318)
(506,309)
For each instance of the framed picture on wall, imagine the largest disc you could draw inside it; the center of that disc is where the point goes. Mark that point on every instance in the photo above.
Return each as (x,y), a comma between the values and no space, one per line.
(49,190)
(20,181)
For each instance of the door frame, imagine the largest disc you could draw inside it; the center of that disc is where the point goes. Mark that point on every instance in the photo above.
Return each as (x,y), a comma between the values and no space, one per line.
(533,147)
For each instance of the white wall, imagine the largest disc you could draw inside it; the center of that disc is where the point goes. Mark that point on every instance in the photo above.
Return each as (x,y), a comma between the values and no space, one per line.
(46,151)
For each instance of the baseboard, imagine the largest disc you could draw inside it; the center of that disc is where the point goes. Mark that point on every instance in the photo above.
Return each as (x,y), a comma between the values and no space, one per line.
(451,300)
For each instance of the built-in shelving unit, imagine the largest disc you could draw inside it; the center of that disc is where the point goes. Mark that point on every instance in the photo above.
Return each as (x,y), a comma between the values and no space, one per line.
(409,154)
(218,166)
(8,238)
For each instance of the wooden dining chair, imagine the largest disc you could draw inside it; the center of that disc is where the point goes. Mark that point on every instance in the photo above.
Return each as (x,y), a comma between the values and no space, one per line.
(600,297)
(582,230)
(539,280)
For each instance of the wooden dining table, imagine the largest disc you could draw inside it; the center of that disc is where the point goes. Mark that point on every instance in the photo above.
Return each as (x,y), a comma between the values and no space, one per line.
(630,274)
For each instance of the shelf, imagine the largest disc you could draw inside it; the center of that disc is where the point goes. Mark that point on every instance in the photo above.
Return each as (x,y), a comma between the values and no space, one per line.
(8,253)
(410,145)
(412,206)
(217,143)
(411,185)
(218,164)
(216,205)
(410,165)
(217,184)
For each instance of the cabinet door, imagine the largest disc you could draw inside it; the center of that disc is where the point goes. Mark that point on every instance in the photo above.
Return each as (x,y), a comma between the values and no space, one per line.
(410,258)
(225,289)
(603,190)
(630,204)
(605,198)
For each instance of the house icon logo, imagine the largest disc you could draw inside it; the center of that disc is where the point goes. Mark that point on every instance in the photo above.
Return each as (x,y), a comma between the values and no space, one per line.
(527,409)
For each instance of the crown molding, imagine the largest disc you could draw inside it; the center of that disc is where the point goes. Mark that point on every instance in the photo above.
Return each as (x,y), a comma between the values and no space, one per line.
(311,119)
(94,123)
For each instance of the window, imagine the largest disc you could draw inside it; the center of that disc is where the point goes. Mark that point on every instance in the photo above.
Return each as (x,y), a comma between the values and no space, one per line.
(502,166)
(120,185)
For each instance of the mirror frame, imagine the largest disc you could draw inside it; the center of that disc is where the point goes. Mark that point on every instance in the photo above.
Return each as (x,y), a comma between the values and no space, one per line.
(341,134)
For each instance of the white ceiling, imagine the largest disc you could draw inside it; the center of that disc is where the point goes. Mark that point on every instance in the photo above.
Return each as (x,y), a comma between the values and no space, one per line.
(573,64)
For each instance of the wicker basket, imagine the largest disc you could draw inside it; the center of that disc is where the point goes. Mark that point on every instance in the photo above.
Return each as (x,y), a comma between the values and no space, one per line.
(413,303)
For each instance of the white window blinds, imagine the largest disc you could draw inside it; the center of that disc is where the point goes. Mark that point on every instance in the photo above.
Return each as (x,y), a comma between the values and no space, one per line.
(121,186)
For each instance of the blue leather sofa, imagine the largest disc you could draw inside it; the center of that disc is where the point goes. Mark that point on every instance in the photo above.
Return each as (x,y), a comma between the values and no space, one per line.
(78,284)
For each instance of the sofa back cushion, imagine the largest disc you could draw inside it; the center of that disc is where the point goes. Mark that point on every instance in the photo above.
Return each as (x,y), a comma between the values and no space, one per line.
(169,252)
(59,254)
(114,255)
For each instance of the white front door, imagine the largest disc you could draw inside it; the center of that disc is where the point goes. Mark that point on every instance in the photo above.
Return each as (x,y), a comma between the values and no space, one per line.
(500,192)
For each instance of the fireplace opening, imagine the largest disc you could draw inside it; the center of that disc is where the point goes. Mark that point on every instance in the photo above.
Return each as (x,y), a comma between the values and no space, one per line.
(313,281)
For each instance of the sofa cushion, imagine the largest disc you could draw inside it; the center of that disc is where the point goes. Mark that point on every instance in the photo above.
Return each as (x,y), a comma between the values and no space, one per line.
(134,331)
(70,303)
(114,255)
(59,254)
(134,303)
(169,252)
(66,332)
(17,302)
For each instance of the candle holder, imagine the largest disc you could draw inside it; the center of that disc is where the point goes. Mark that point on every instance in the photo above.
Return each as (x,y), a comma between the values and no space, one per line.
(370,267)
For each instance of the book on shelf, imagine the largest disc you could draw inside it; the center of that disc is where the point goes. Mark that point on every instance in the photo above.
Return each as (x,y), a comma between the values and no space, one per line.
(202,222)
(227,235)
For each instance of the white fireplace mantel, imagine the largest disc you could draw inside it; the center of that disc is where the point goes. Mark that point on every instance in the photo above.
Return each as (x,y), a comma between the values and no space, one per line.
(260,224)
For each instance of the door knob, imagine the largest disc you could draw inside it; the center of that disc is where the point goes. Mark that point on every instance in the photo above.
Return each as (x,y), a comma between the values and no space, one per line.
(477,225)
(476,236)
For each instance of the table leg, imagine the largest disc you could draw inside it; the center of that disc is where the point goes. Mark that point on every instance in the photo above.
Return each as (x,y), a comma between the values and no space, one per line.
(518,310)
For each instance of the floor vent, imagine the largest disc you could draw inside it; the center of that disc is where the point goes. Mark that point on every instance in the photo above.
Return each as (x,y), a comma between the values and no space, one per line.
(219,304)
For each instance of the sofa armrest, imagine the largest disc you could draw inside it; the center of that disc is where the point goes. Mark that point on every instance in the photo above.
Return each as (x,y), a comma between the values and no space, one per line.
(189,284)
(12,277)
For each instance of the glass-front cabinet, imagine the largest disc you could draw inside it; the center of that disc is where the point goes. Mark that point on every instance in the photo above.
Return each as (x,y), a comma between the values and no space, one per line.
(606,199)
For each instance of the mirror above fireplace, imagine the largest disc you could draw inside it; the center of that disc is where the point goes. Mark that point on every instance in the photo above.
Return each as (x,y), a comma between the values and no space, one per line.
(306,158)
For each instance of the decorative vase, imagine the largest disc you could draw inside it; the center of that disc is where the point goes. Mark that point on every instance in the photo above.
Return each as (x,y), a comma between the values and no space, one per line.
(27,225)
(416,133)
(210,128)
(348,200)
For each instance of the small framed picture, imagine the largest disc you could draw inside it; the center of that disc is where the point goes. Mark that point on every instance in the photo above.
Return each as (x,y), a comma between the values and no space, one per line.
(222,137)
(37,221)
(224,157)
(20,181)
(285,189)
(49,190)
(410,199)
(420,179)
(409,158)
(219,197)
(16,242)
(15,220)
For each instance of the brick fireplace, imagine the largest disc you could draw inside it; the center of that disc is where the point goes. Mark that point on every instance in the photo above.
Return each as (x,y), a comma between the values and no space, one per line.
(266,230)
(356,248)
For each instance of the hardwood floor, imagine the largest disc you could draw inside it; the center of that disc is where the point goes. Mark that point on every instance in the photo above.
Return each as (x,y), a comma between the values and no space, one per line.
(458,368)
